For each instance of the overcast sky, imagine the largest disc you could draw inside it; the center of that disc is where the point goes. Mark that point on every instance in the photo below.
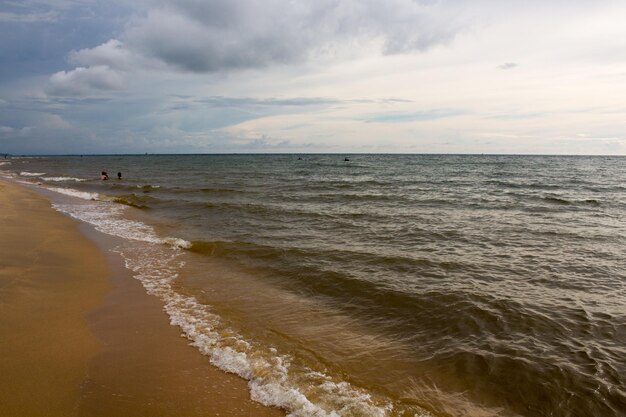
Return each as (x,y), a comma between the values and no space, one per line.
(429,76)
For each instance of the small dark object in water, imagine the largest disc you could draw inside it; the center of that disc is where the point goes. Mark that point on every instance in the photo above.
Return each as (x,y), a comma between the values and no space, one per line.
(299,159)
(346,159)
(119,175)
(104,176)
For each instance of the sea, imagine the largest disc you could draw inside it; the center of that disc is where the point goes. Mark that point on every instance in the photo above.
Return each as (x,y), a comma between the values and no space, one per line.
(377,285)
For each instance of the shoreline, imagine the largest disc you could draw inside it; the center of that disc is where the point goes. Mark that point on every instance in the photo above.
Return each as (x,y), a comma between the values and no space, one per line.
(128,359)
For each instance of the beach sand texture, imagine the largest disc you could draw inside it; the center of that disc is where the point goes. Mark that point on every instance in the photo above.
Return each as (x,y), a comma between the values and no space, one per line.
(80,337)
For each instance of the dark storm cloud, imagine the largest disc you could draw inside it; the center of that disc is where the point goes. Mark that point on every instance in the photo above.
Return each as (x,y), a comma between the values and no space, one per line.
(206,36)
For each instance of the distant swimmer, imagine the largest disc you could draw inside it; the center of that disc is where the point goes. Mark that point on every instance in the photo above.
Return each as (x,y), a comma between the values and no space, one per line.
(299,159)
(119,175)
(104,176)
(346,160)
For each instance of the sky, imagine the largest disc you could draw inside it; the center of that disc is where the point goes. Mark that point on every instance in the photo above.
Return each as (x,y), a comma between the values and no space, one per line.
(344,76)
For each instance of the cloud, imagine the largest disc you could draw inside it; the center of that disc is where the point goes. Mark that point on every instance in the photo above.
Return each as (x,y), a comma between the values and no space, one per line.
(83,81)
(221,101)
(53,4)
(41,122)
(53,121)
(36,17)
(207,36)
(220,35)
(185,102)
(403,117)
(110,54)
(508,65)
(45,133)
(37,11)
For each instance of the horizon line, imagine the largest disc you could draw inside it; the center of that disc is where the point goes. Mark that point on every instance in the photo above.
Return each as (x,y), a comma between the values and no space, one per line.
(10,155)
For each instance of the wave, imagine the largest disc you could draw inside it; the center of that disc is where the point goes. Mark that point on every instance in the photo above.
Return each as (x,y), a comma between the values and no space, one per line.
(275,379)
(132,200)
(556,200)
(129,201)
(524,185)
(63,179)
(434,315)
(108,218)
(565,202)
(320,272)
(75,193)
(270,374)
(218,190)
(32,174)
(205,190)
(219,247)
(591,202)
(148,188)
(8,174)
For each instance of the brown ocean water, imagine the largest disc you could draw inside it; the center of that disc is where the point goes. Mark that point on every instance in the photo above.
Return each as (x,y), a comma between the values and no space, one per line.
(384,285)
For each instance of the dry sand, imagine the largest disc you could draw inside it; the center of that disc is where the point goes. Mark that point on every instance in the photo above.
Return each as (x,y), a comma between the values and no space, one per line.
(80,337)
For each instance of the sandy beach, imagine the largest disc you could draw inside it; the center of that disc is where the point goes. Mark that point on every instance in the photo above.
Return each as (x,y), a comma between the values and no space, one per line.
(80,337)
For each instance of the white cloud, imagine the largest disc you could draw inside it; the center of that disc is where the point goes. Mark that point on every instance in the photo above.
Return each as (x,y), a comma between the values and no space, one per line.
(508,65)
(46,133)
(111,54)
(53,121)
(83,81)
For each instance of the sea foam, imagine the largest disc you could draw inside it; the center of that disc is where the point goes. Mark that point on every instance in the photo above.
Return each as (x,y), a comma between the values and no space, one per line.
(62,179)
(107,218)
(270,375)
(272,380)
(32,174)
(74,193)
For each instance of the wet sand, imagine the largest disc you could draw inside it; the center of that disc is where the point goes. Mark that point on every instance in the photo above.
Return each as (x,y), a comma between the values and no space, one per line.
(80,337)
(50,277)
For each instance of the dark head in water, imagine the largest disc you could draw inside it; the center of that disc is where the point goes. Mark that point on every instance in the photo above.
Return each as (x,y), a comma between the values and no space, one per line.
(119,175)
(104,176)
(346,159)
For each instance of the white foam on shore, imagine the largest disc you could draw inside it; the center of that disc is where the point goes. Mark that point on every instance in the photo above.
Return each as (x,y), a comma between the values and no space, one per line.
(107,218)
(5,163)
(272,378)
(62,179)
(32,174)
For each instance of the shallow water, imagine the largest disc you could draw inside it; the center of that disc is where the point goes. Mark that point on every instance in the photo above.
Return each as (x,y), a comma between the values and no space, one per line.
(383,285)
